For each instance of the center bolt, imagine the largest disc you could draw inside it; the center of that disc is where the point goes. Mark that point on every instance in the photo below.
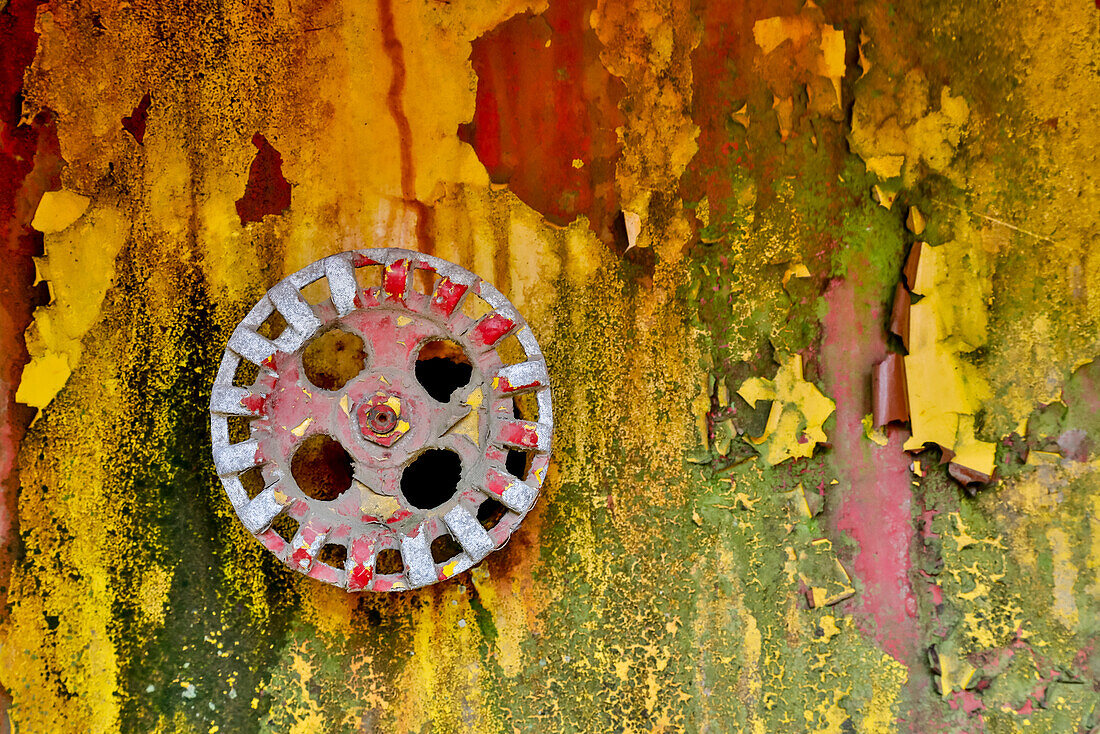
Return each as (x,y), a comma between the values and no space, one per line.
(382,419)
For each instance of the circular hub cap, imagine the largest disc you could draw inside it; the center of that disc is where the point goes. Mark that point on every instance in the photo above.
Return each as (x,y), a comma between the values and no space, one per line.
(390,435)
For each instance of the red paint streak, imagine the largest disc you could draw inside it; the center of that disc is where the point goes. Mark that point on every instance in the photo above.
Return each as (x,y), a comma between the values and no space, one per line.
(875,510)
(360,577)
(399,516)
(519,434)
(396,279)
(491,329)
(544,99)
(394,100)
(447,295)
(266,192)
(135,122)
(30,163)
(506,386)
(255,403)
(301,558)
(362,567)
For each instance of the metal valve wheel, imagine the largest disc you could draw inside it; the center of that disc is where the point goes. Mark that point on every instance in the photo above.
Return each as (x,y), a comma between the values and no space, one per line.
(389,436)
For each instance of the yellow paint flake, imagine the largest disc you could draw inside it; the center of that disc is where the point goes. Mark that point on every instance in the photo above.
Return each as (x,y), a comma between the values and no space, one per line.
(796,507)
(915,222)
(822,573)
(43,378)
(300,429)
(58,209)
(378,505)
(878,435)
(886,166)
(723,395)
(403,321)
(970,452)
(895,130)
(79,264)
(633,223)
(815,46)
(956,672)
(884,195)
(864,62)
(798,412)
(1043,458)
(470,425)
(795,270)
(946,390)
(828,627)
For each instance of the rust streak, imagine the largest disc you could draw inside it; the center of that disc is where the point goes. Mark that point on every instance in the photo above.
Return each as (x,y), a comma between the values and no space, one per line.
(394,100)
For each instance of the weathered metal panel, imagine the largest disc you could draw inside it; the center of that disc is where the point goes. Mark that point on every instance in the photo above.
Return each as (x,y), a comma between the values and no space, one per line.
(719,219)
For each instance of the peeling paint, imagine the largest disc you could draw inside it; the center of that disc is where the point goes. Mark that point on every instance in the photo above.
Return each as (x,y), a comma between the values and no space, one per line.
(728,238)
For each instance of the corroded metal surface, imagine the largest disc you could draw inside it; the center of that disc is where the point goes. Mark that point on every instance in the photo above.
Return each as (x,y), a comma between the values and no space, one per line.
(384,418)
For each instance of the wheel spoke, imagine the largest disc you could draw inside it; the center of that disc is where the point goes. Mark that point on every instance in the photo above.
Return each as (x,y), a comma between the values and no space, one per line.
(419,566)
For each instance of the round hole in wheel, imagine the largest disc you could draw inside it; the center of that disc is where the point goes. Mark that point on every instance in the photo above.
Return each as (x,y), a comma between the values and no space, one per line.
(432,478)
(368,411)
(333,359)
(322,468)
(442,367)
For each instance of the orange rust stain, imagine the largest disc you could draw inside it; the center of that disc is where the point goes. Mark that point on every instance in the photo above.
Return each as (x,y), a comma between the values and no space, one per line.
(395,51)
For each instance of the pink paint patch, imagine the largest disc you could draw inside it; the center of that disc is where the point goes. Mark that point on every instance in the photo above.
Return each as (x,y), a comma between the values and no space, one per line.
(875,510)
